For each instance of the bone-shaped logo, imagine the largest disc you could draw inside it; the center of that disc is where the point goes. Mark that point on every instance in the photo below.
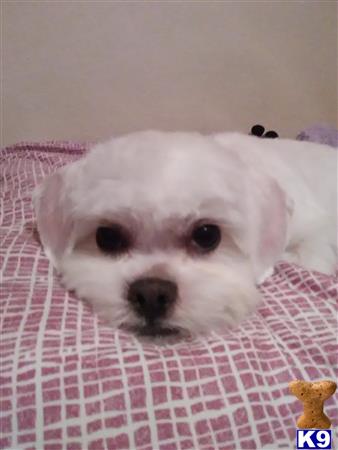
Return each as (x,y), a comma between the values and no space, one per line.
(313,396)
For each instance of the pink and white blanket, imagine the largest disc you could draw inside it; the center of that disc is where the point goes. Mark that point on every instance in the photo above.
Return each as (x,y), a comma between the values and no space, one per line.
(69,381)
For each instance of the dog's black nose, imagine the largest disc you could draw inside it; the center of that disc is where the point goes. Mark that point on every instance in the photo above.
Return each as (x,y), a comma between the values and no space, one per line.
(152,298)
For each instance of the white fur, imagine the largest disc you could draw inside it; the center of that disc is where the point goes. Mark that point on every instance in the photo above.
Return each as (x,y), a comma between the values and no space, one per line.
(273,199)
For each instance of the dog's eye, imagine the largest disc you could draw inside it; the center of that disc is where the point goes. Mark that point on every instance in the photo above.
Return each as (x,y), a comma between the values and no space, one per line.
(206,237)
(112,239)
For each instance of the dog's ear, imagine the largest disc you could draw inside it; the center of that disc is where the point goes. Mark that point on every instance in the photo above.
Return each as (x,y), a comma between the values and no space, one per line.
(267,212)
(52,209)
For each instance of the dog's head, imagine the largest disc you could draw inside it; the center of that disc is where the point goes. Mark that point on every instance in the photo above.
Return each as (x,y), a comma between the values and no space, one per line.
(162,231)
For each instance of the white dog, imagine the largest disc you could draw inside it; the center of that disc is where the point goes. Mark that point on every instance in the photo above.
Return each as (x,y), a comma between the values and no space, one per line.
(166,232)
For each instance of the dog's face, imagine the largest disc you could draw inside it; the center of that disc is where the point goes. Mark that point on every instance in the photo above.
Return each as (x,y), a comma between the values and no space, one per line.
(161,232)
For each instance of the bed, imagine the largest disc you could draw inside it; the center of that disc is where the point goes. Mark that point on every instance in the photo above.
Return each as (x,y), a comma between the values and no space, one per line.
(69,381)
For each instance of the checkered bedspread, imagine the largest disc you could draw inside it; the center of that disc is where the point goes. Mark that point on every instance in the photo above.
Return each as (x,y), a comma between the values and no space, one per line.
(69,381)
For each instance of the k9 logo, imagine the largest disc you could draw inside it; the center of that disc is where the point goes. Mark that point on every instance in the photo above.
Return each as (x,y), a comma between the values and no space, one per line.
(314,439)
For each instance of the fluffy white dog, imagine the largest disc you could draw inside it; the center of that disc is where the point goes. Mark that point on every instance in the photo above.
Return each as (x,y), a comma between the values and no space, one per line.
(166,232)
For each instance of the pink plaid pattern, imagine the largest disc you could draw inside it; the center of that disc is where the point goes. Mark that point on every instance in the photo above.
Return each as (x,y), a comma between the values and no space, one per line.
(69,381)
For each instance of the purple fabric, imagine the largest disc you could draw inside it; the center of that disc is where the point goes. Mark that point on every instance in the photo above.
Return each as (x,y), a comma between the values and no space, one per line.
(323,134)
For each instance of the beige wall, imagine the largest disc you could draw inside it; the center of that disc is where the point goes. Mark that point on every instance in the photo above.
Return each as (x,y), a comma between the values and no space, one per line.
(87,70)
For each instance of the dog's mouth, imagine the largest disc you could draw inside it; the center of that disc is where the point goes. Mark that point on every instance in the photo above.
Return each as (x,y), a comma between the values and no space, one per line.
(157,330)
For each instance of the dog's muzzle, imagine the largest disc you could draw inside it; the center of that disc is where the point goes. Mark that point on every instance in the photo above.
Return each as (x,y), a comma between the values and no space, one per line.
(152,298)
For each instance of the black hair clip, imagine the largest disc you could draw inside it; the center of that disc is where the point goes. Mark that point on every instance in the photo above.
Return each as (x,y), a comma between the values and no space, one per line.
(258,130)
